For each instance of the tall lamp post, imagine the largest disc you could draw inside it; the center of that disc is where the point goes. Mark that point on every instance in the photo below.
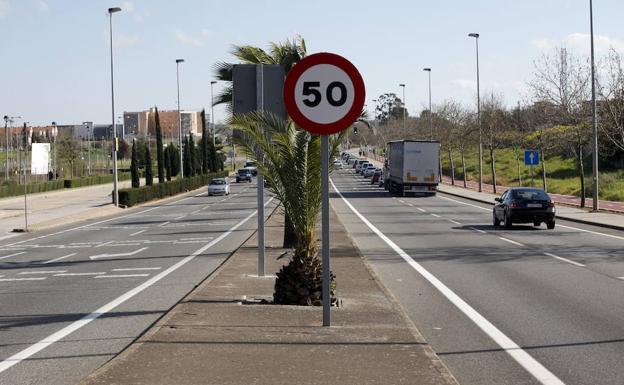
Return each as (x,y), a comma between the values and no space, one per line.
(476,36)
(178,61)
(115,190)
(212,83)
(6,147)
(54,133)
(403,86)
(594,117)
(430,111)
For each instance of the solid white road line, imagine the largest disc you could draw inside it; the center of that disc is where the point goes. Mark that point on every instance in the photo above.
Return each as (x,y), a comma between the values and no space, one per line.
(22,279)
(565,260)
(122,276)
(59,258)
(137,233)
(135,252)
(13,255)
(536,369)
(42,272)
(510,241)
(67,330)
(138,268)
(464,203)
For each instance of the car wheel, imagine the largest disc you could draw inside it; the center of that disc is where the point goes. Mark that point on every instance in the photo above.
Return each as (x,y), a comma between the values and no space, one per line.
(550,225)
(507,222)
(495,220)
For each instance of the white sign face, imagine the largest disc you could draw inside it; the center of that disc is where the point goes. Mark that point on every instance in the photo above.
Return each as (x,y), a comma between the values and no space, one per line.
(40,158)
(324,93)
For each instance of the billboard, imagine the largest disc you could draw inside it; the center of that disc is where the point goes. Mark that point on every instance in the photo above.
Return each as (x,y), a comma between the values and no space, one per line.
(40,158)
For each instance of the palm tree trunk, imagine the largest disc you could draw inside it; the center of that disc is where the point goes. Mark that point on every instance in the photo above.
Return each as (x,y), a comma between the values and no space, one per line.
(582,172)
(290,237)
(463,162)
(493,168)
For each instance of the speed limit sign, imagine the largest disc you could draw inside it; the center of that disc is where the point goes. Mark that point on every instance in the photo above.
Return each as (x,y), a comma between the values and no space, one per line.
(324,93)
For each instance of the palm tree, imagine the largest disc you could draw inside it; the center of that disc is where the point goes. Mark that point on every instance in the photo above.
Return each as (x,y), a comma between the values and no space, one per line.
(286,54)
(290,161)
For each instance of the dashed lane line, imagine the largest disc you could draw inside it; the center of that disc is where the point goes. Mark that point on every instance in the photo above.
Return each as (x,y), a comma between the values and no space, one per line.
(478,230)
(79,274)
(510,241)
(530,364)
(421,210)
(59,258)
(453,221)
(137,268)
(13,255)
(137,233)
(22,279)
(435,215)
(564,259)
(121,276)
(42,272)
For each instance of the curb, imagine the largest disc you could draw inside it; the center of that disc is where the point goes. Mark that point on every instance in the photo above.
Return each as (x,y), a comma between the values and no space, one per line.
(585,222)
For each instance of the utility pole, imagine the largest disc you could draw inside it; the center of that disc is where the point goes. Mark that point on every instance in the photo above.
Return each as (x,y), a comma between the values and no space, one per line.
(594,116)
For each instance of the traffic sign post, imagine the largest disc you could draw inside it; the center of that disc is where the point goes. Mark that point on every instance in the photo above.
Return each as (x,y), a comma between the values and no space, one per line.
(324,94)
(531,158)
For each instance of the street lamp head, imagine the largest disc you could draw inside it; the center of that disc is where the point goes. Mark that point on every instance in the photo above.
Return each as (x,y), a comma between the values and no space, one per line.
(114,9)
(401,85)
(213,82)
(427,69)
(476,35)
(6,118)
(179,60)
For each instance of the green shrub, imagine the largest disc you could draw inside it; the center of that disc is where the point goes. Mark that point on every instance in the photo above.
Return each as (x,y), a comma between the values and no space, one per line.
(11,188)
(133,196)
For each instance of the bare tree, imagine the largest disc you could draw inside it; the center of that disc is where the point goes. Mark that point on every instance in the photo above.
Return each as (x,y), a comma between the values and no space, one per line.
(69,151)
(561,80)
(493,121)
(454,129)
(611,90)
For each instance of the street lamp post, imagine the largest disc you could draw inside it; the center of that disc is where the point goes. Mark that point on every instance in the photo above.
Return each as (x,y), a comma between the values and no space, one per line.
(594,117)
(178,61)
(114,156)
(54,133)
(212,83)
(6,147)
(430,111)
(403,86)
(476,36)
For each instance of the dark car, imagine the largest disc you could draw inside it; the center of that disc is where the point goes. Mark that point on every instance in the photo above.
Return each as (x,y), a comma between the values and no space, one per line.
(524,205)
(243,175)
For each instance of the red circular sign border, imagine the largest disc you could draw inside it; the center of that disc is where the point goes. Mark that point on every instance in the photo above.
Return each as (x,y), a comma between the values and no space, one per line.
(358,99)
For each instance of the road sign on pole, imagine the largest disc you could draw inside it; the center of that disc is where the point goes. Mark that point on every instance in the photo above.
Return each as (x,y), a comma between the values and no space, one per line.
(324,94)
(531,157)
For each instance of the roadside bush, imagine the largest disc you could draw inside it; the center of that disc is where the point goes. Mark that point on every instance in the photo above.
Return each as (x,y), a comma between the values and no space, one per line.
(11,188)
(133,196)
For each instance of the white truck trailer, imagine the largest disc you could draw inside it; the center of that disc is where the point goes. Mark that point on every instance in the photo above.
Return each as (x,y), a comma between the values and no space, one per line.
(412,167)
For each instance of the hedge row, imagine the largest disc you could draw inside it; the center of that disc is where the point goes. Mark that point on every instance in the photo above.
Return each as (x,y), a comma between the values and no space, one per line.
(133,196)
(11,188)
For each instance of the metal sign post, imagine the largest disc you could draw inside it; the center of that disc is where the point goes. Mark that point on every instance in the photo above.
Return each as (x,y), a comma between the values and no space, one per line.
(324,94)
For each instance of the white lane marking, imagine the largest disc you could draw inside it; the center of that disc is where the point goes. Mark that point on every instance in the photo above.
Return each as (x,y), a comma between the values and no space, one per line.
(79,274)
(400,200)
(421,210)
(464,203)
(13,255)
(178,218)
(409,204)
(8,236)
(135,252)
(22,279)
(67,330)
(42,272)
(564,226)
(435,215)
(510,241)
(138,268)
(450,220)
(138,232)
(59,258)
(538,371)
(122,276)
(565,260)
(164,224)
(104,244)
(478,230)
(622,278)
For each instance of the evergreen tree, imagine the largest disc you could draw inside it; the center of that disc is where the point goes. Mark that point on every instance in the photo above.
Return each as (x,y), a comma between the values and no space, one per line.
(159,151)
(168,165)
(204,144)
(213,160)
(186,160)
(192,155)
(149,179)
(134,166)
(174,157)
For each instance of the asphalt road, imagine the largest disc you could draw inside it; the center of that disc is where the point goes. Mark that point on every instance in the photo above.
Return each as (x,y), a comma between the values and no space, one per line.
(499,306)
(72,298)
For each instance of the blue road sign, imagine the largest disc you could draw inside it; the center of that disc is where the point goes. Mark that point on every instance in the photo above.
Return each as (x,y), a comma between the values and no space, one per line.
(531,157)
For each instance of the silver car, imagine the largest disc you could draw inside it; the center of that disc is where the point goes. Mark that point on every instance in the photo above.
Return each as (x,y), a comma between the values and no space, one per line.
(219,186)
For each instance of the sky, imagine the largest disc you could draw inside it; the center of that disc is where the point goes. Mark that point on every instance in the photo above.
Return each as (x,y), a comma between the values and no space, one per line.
(55,54)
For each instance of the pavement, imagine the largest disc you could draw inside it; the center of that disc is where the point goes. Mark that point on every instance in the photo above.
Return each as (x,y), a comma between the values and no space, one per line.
(221,333)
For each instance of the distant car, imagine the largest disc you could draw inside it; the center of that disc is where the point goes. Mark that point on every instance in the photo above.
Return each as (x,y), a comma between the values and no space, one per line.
(337,164)
(361,166)
(369,170)
(243,175)
(376,176)
(219,186)
(524,205)
(251,166)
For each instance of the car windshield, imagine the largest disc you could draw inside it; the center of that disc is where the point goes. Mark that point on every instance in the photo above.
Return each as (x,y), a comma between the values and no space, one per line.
(217,182)
(243,172)
(529,195)
(250,164)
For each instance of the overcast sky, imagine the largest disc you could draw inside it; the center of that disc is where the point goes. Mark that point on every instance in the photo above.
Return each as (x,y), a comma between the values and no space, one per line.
(54,54)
